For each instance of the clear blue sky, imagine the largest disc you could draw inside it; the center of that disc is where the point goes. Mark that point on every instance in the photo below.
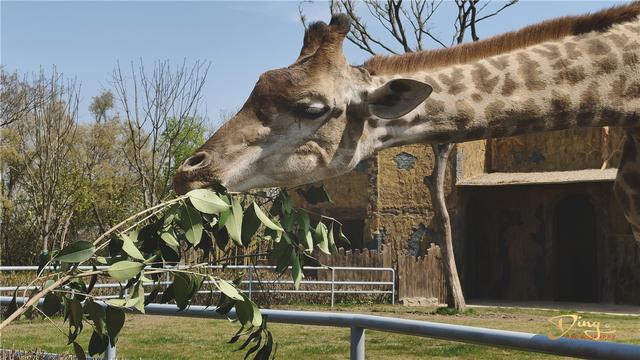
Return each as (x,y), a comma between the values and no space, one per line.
(241,39)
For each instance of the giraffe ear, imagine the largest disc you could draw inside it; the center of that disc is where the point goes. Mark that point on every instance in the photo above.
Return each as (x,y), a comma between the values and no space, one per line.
(398,97)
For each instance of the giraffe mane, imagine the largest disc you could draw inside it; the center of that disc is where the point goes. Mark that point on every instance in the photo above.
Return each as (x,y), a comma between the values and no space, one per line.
(531,35)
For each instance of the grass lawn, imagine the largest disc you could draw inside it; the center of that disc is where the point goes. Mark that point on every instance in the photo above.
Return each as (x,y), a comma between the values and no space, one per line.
(158,337)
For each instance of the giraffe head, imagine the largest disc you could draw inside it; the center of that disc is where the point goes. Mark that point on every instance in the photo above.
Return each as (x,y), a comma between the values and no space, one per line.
(303,123)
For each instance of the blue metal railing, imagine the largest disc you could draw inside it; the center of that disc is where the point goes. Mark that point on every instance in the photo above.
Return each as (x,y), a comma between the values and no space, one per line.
(579,348)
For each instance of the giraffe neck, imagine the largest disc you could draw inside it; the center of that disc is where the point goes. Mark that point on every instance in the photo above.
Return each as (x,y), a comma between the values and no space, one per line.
(578,81)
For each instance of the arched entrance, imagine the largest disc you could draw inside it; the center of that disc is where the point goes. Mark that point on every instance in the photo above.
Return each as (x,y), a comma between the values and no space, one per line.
(574,250)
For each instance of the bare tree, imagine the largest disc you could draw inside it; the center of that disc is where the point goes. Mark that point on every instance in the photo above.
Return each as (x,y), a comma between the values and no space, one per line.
(407,23)
(46,140)
(156,107)
(14,97)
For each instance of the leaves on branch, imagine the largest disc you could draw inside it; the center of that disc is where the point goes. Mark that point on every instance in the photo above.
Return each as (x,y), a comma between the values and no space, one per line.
(125,270)
(206,201)
(76,252)
(206,221)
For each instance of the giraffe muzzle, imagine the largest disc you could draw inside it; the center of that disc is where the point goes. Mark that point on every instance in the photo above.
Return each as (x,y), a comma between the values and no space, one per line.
(195,172)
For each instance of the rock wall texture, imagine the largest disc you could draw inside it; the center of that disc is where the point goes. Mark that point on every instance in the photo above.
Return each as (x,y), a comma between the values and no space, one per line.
(572,149)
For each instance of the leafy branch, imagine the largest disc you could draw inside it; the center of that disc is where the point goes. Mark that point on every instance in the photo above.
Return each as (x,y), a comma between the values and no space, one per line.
(139,250)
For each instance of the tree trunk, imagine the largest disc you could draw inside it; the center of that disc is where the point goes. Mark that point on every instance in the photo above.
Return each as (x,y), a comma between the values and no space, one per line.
(455,298)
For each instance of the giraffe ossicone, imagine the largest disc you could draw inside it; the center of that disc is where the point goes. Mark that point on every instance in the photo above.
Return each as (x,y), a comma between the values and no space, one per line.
(320,116)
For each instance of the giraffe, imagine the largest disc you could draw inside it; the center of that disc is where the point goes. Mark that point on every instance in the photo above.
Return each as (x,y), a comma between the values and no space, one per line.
(320,116)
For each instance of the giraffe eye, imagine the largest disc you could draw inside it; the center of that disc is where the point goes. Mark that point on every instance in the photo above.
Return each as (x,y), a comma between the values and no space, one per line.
(310,110)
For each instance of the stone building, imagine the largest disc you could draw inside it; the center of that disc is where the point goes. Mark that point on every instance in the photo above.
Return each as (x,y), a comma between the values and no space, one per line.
(534,217)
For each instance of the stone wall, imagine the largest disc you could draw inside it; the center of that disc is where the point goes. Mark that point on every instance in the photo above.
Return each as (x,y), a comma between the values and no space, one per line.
(574,149)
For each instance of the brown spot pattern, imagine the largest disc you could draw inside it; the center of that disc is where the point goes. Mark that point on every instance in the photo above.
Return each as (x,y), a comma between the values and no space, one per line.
(561,110)
(607,65)
(494,109)
(509,85)
(571,74)
(434,107)
(482,78)
(549,51)
(464,115)
(617,90)
(454,81)
(630,58)
(598,47)
(499,62)
(528,118)
(529,71)
(618,39)
(633,91)
(588,105)
(476,97)
(434,84)
(571,49)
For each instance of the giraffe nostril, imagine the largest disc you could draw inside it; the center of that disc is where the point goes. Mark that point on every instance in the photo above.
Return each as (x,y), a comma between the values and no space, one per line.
(195,162)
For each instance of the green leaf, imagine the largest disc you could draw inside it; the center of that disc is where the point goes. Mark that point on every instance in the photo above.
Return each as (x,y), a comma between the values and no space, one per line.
(332,243)
(77,348)
(234,222)
(98,343)
(97,314)
(93,280)
(115,321)
(75,312)
(287,202)
(342,237)
(117,302)
(125,270)
(182,289)
(281,256)
(265,352)
(222,218)
(228,289)
(322,238)
(207,201)
(308,237)
(170,216)
(191,223)
(248,313)
(250,224)
(265,219)
(130,247)
(136,300)
(51,304)
(76,252)
(296,269)
(170,239)
(315,194)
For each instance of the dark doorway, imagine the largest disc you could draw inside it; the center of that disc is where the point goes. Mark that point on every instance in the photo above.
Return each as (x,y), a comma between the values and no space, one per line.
(574,250)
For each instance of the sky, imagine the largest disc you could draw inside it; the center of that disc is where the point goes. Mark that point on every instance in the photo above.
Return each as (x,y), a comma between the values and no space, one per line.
(241,39)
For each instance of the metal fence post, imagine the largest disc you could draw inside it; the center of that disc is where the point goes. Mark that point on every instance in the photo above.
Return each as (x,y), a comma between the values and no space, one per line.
(110,353)
(393,286)
(333,285)
(250,281)
(357,343)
